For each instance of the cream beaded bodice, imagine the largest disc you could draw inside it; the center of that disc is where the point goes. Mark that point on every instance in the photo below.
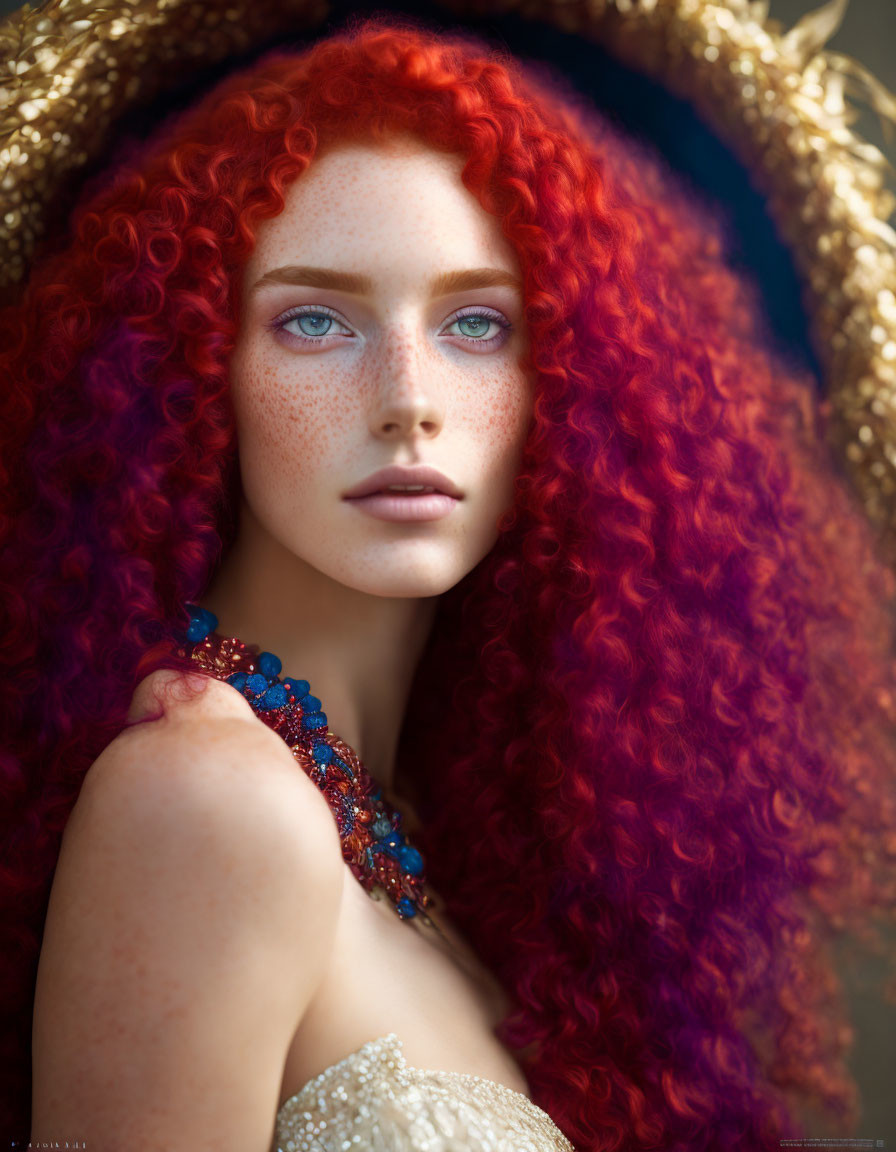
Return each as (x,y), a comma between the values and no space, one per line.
(374,1100)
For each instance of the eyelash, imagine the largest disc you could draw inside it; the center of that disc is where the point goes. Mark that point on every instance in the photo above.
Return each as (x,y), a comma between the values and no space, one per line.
(322,310)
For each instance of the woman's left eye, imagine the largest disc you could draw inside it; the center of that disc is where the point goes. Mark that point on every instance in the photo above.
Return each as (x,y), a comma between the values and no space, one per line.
(313,324)
(475,322)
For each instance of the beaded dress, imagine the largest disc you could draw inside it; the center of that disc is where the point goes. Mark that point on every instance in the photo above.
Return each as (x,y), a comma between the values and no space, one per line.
(372,1099)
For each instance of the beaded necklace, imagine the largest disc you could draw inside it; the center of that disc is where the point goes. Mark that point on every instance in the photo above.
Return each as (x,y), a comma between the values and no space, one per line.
(373,843)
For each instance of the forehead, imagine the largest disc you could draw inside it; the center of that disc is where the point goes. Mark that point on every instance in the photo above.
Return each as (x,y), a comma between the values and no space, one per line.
(354,196)
(393,158)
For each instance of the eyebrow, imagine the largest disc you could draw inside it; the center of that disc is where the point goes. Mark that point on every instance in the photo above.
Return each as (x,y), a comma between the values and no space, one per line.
(356,284)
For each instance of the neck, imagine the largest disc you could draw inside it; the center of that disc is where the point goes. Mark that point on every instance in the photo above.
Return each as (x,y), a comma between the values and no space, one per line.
(357,651)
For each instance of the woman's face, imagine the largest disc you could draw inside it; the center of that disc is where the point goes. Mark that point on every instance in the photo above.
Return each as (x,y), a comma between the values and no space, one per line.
(366,341)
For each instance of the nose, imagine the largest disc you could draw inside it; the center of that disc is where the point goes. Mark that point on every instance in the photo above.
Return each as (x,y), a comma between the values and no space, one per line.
(407,395)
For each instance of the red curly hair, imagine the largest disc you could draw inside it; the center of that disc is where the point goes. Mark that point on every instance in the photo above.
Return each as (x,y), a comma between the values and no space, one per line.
(667,693)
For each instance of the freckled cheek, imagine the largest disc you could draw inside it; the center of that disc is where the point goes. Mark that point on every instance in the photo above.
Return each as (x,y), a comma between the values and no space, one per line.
(294,424)
(501,411)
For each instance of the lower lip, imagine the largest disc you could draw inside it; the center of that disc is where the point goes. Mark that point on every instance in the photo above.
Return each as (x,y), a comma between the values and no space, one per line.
(395,506)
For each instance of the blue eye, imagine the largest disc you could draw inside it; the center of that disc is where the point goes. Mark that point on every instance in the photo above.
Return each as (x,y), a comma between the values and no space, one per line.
(478,322)
(314,318)
(319,320)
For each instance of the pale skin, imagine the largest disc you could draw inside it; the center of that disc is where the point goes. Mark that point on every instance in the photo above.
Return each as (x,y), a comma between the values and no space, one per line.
(201,956)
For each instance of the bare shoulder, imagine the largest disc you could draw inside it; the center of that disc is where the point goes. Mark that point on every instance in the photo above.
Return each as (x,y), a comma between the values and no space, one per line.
(202,748)
(191,918)
(207,753)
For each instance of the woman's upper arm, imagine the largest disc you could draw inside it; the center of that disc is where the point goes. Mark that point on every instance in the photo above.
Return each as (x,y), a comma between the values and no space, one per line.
(190,919)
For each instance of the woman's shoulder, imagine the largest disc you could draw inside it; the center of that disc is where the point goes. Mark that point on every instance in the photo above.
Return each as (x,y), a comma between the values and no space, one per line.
(194,751)
(198,885)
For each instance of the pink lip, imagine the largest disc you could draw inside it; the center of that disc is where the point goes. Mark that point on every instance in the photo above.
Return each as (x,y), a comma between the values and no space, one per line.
(404,474)
(400,506)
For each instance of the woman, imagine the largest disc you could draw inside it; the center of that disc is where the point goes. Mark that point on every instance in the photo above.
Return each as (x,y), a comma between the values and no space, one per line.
(626,683)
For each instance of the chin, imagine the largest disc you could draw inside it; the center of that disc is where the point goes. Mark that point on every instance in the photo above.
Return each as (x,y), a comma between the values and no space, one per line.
(398,577)
(404,585)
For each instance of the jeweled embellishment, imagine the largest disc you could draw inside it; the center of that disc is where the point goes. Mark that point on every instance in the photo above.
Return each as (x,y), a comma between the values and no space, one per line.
(373,843)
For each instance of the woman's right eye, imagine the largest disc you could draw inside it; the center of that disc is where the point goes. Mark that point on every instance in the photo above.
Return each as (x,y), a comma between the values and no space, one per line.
(311,324)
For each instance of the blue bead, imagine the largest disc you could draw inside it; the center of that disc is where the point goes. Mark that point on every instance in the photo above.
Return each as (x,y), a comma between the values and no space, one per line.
(197,630)
(411,860)
(314,720)
(269,665)
(311,704)
(203,616)
(406,908)
(322,753)
(275,697)
(297,688)
(257,683)
(238,680)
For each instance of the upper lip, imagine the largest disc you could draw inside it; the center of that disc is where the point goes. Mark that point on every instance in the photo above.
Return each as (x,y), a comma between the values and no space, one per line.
(401,474)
